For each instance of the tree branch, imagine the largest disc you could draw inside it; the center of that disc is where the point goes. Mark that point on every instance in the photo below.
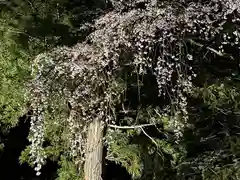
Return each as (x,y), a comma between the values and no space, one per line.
(137,126)
(149,137)
(130,127)
(211,49)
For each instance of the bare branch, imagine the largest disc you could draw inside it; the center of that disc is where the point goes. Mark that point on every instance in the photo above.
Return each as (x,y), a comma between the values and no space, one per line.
(134,127)
(130,127)
(149,137)
(211,49)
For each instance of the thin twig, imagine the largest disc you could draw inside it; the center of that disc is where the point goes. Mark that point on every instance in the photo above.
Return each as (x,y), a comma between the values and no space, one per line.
(137,126)
(149,137)
(211,49)
(130,127)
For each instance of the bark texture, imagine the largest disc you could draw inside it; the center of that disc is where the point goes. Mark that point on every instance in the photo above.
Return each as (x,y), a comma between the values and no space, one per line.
(93,163)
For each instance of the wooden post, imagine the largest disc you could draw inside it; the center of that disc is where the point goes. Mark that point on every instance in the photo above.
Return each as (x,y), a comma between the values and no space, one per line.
(94,150)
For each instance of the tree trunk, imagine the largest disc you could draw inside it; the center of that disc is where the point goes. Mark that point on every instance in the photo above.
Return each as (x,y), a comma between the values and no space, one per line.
(94,149)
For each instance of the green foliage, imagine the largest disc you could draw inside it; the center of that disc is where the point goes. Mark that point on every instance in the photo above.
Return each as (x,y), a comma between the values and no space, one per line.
(68,170)
(227,172)
(24,158)
(212,142)
(121,151)
(28,28)
(145,157)
(221,97)
(14,68)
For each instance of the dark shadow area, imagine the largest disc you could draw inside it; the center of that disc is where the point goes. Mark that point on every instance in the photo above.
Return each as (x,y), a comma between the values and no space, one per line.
(114,171)
(45,25)
(15,142)
(208,139)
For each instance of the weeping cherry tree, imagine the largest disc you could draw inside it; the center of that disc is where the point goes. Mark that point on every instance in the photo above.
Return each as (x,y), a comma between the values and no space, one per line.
(76,89)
